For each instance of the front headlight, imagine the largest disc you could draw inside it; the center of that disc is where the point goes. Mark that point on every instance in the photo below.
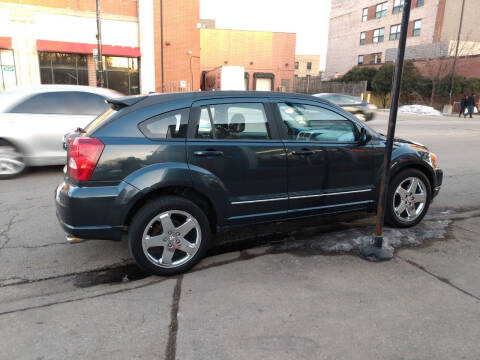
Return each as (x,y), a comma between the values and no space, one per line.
(433,160)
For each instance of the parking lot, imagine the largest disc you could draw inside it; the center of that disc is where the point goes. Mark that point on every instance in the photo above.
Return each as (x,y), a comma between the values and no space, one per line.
(267,292)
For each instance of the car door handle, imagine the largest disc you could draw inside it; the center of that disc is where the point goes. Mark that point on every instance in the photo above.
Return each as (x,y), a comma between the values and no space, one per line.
(208,153)
(303,152)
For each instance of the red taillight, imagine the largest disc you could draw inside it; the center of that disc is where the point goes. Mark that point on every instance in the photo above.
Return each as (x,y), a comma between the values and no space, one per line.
(83,155)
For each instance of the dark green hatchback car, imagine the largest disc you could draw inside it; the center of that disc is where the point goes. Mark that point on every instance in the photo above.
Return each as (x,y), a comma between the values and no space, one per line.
(171,169)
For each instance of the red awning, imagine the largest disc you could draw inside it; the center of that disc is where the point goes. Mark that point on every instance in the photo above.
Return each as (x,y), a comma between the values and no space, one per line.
(5,43)
(82,48)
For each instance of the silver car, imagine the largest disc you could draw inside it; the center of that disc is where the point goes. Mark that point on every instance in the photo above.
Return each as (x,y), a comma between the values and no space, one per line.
(33,122)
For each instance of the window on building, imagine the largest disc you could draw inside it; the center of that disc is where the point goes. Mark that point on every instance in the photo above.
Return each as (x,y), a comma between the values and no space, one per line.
(309,65)
(395,32)
(121,74)
(171,125)
(362,38)
(397,6)
(296,65)
(417,27)
(365,15)
(8,75)
(360,59)
(63,68)
(376,58)
(420,3)
(381,10)
(378,35)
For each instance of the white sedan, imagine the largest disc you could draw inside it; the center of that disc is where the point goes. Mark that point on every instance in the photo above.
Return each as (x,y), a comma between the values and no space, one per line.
(33,122)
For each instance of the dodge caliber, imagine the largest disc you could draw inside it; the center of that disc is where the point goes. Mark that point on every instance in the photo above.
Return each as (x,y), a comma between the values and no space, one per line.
(172,169)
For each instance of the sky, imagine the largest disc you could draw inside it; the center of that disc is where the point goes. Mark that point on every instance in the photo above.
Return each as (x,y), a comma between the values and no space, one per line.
(307,18)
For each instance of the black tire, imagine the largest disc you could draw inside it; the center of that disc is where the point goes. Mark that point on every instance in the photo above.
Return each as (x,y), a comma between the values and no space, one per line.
(147,213)
(7,145)
(390,217)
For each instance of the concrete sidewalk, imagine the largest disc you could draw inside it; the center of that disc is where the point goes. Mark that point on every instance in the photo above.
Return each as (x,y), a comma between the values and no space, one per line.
(295,299)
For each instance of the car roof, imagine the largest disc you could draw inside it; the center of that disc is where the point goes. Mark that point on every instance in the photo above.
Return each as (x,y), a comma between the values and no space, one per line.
(160,98)
(10,98)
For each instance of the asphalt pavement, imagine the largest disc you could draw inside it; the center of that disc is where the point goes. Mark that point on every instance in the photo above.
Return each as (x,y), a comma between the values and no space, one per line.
(289,291)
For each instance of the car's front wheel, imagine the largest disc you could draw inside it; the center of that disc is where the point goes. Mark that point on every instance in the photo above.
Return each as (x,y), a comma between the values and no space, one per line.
(408,198)
(12,162)
(169,235)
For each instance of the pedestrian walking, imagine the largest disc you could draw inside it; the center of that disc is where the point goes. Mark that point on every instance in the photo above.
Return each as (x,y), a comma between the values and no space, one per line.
(463,105)
(471,104)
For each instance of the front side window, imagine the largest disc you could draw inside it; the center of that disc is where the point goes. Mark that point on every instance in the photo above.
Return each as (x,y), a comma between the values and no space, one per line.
(376,58)
(237,121)
(397,6)
(395,32)
(170,125)
(381,10)
(378,35)
(314,123)
(360,59)
(362,38)
(365,15)
(63,68)
(417,27)
(62,102)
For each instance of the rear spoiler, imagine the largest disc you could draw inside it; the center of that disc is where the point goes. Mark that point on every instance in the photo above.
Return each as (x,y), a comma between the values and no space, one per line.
(124,101)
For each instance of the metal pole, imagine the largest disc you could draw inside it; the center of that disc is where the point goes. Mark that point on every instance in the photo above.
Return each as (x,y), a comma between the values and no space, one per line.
(162,46)
(377,251)
(99,43)
(456,54)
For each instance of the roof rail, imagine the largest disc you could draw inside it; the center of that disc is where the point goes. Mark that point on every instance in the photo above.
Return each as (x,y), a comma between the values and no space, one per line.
(124,101)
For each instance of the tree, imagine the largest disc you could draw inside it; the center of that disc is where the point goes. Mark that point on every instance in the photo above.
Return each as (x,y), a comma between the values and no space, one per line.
(360,73)
(382,82)
(412,81)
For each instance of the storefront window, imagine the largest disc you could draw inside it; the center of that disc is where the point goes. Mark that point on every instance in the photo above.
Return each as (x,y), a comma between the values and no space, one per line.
(8,75)
(121,74)
(63,68)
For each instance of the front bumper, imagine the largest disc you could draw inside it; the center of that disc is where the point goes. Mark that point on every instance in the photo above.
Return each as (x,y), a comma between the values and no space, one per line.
(95,212)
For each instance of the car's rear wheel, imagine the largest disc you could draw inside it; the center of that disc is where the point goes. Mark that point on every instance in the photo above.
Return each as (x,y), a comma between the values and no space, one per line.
(12,162)
(169,235)
(408,198)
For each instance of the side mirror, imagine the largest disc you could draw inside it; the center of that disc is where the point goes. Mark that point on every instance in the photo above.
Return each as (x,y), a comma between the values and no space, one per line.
(365,137)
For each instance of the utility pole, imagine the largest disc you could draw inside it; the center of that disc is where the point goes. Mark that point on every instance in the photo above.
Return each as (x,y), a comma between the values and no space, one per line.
(379,250)
(99,44)
(452,80)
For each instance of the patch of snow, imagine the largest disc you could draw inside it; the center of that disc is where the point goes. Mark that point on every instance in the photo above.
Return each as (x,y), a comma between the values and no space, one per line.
(419,109)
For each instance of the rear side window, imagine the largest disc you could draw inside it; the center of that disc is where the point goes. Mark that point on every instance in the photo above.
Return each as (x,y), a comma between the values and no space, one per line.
(170,125)
(62,102)
(238,121)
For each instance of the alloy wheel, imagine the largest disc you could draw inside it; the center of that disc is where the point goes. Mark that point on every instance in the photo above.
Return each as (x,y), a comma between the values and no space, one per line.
(409,199)
(171,238)
(11,161)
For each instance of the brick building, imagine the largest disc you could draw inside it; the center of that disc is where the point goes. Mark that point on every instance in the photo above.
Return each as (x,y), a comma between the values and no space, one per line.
(53,41)
(366,32)
(268,57)
(307,65)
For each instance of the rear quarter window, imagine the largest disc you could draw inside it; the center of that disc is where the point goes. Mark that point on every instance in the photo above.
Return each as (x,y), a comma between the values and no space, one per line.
(170,125)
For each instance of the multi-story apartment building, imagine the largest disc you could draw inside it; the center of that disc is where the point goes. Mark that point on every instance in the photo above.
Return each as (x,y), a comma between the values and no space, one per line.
(366,32)
(307,65)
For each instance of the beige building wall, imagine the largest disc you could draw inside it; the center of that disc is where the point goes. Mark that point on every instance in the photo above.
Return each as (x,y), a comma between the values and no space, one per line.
(301,65)
(471,20)
(346,25)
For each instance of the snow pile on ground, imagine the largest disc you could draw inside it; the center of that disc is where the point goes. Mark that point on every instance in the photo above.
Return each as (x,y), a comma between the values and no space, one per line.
(419,109)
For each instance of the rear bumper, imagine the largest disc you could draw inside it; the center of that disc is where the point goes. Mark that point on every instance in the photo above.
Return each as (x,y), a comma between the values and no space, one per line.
(93,212)
(438,182)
